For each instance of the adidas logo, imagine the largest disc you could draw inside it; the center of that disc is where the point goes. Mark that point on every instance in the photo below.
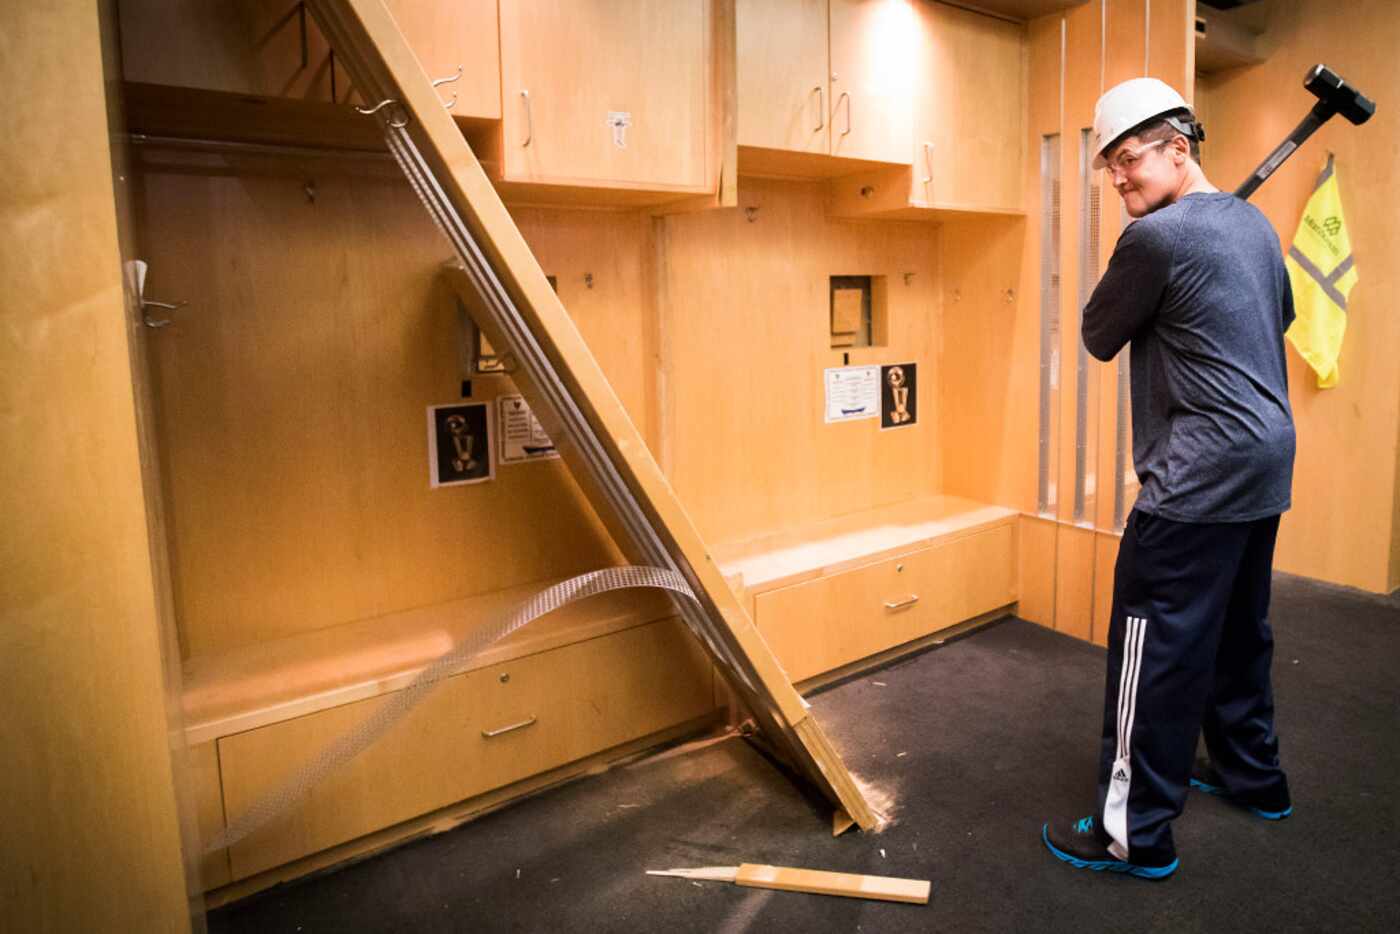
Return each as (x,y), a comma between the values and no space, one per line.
(1120,776)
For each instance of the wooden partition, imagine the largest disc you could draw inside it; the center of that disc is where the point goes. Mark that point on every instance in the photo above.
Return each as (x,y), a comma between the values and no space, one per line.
(89,832)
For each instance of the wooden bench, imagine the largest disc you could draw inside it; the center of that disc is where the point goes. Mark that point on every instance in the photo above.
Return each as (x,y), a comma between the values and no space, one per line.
(599,678)
(857,588)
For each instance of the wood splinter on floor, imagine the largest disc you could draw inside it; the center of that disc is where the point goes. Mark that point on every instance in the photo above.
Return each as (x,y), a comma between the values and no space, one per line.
(813,881)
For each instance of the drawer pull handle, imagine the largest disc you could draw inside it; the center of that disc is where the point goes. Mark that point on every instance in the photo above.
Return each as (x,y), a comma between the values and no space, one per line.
(488,734)
(913,599)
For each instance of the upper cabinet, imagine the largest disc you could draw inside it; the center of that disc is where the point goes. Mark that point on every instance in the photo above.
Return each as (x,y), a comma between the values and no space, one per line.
(968,122)
(784,75)
(827,77)
(606,93)
(873,78)
(965,148)
(273,48)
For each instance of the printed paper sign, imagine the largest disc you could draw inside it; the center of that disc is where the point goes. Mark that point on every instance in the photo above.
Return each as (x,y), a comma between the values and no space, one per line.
(522,438)
(852,393)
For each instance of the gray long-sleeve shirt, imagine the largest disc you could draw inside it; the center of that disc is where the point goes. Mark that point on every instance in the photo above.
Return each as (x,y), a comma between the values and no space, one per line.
(1200,290)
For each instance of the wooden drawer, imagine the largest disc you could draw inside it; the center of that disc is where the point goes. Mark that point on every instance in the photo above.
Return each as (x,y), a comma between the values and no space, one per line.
(583,698)
(819,625)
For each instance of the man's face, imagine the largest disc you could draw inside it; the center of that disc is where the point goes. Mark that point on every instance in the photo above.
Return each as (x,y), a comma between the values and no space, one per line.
(1147,174)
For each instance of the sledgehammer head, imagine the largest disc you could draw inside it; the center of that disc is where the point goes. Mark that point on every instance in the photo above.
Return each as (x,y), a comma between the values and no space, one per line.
(1338,96)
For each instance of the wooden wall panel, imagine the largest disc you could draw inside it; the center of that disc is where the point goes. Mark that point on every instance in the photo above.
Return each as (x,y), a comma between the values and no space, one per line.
(1343,525)
(1079,391)
(746,319)
(1171,43)
(292,396)
(1105,557)
(601,263)
(91,836)
(1036,542)
(1044,108)
(989,377)
(1074,581)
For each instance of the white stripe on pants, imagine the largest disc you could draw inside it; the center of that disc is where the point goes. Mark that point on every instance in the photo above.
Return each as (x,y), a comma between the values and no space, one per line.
(1115,809)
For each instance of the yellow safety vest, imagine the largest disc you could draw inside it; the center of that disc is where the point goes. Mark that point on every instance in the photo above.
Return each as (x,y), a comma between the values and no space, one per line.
(1322,271)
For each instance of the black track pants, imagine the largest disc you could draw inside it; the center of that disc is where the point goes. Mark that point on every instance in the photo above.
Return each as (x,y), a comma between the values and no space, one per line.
(1189,647)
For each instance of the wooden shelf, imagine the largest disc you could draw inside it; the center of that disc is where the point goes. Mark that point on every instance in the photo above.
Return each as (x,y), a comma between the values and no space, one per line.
(284,678)
(826,548)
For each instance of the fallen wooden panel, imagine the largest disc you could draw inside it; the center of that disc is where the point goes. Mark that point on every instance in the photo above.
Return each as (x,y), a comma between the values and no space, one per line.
(811,881)
(518,311)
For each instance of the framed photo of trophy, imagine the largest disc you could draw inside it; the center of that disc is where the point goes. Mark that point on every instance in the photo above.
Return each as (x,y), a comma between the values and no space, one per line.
(459,444)
(899,395)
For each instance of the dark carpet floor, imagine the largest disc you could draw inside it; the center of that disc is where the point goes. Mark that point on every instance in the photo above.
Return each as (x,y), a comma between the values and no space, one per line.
(974,745)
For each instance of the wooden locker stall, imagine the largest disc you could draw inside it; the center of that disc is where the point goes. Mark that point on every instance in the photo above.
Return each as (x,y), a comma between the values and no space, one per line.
(313,567)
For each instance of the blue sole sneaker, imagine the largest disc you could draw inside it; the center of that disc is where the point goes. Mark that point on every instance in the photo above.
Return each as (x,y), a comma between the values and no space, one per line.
(1205,778)
(1078,845)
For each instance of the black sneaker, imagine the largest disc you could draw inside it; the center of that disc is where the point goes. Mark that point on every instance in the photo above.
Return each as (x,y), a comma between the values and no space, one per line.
(1076,843)
(1205,778)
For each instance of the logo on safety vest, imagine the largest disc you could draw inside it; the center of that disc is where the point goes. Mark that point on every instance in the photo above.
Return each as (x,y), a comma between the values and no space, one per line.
(1332,226)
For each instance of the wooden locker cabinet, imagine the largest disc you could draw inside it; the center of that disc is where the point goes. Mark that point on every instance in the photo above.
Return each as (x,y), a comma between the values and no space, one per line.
(572,72)
(827,77)
(784,75)
(822,624)
(872,79)
(967,145)
(543,710)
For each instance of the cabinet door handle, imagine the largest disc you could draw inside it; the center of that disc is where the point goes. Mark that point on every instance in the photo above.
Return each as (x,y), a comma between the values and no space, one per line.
(488,734)
(529,120)
(910,601)
(845,96)
(928,162)
(821,109)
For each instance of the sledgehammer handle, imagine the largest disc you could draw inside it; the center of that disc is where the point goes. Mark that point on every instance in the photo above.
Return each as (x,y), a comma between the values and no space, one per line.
(1316,117)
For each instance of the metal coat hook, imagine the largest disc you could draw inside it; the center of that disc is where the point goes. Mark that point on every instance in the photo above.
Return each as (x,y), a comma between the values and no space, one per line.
(441,81)
(588,280)
(146,319)
(136,279)
(371,111)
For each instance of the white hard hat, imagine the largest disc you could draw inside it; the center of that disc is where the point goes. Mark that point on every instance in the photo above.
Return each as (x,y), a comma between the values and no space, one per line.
(1125,106)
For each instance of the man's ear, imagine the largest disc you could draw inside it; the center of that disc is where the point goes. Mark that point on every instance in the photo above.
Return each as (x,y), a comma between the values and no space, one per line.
(1181,150)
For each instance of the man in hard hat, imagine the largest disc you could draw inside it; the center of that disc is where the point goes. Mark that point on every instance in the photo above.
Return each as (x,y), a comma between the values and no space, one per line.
(1198,288)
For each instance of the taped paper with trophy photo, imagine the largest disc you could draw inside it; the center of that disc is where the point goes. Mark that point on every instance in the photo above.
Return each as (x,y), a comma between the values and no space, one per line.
(459,444)
(899,396)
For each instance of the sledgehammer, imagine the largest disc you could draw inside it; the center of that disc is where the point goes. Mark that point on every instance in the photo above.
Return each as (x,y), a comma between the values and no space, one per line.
(1334,96)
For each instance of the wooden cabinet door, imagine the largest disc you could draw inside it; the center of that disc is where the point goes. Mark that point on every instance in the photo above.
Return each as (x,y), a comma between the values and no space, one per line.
(874,44)
(266,47)
(458,34)
(784,75)
(969,110)
(605,91)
